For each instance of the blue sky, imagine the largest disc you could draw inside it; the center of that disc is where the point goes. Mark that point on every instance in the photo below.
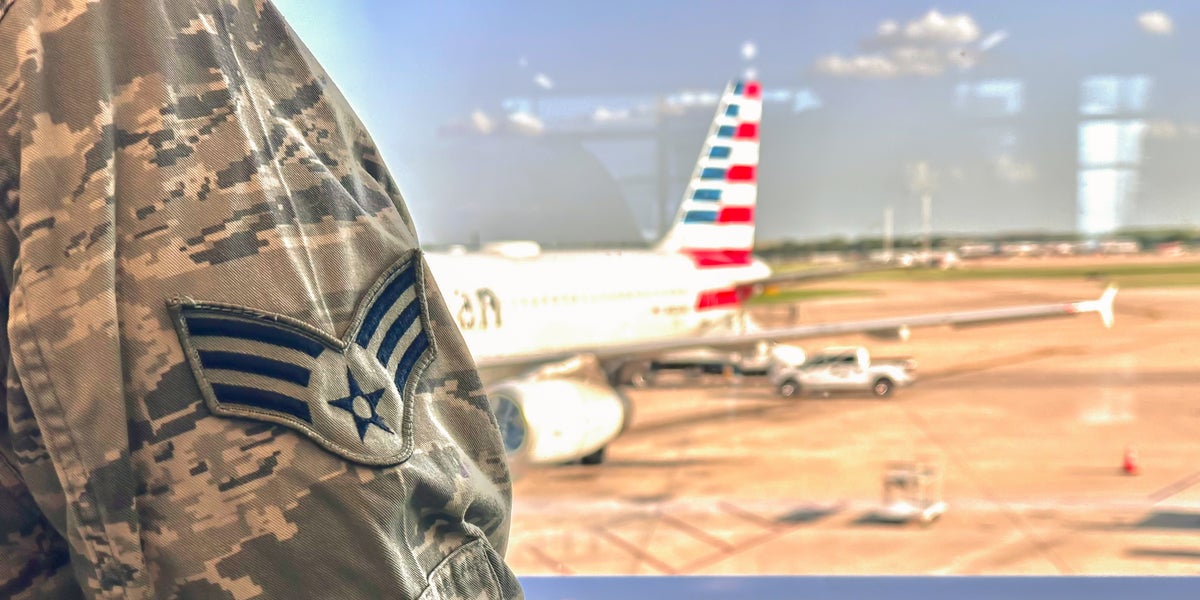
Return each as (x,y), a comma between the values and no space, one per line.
(410,69)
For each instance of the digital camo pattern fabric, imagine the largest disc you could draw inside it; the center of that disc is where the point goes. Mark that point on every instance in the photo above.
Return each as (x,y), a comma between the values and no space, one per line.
(192,154)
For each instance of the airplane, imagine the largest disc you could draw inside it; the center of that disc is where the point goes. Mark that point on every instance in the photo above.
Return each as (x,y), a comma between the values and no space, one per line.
(557,334)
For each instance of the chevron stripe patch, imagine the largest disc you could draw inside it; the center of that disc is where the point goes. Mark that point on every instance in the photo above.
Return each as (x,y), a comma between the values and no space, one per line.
(352,395)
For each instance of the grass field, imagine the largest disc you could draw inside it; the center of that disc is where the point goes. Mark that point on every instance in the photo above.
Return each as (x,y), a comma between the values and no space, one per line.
(1129,276)
(1124,275)
(800,295)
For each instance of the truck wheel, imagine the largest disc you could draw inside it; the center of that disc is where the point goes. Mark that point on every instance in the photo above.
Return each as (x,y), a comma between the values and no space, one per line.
(883,387)
(594,458)
(637,375)
(790,388)
(641,378)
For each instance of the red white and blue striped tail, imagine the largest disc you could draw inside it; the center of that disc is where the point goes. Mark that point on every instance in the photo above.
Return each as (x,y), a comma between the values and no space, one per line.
(715,223)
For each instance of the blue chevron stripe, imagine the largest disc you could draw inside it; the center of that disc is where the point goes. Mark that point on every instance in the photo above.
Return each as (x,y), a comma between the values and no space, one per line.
(256,365)
(409,360)
(248,396)
(396,331)
(384,303)
(244,329)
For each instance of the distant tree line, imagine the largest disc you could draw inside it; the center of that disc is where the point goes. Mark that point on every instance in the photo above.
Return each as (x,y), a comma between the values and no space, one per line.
(784,250)
(802,249)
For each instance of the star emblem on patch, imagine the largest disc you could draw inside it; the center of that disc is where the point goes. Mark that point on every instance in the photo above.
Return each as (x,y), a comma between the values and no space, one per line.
(362,407)
(350,394)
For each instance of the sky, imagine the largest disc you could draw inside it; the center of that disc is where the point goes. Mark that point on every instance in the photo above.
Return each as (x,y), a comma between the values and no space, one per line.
(1075,116)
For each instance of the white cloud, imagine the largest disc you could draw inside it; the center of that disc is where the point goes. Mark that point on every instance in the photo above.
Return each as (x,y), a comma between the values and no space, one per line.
(993,40)
(937,28)
(482,123)
(750,73)
(867,66)
(923,47)
(749,50)
(543,81)
(688,98)
(607,115)
(1014,171)
(526,123)
(901,61)
(806,100)
(522,62)
(1155,22)
(925,61)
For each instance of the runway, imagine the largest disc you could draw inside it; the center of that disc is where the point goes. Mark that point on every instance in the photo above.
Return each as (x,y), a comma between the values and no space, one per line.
(1029,421)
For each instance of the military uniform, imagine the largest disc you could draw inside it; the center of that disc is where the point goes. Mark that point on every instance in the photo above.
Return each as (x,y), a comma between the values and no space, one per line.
(228,372)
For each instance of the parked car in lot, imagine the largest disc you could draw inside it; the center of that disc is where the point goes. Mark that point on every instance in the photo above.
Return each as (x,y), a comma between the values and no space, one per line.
(843,369)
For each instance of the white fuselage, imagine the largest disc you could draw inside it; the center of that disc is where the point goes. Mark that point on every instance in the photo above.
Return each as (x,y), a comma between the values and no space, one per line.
(555,301)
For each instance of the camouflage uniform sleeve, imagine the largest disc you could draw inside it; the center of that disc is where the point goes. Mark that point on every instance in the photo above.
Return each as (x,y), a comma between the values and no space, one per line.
(229,373)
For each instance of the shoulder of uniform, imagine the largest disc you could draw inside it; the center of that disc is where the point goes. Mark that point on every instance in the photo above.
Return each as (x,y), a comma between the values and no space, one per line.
(5,6)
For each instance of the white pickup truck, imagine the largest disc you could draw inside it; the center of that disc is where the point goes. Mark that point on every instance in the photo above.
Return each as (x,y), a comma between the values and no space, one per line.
(843,369)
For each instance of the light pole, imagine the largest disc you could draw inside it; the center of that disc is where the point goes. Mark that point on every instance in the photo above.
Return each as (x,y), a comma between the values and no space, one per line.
(922,180)
(888,215)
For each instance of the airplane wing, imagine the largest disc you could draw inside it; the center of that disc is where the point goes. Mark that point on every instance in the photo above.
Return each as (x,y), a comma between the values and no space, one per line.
(893,325)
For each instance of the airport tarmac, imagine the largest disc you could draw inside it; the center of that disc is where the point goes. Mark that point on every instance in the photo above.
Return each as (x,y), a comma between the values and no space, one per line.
(1029,421)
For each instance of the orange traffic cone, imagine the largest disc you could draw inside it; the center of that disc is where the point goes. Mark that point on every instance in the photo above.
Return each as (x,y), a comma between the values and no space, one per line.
(1130,462)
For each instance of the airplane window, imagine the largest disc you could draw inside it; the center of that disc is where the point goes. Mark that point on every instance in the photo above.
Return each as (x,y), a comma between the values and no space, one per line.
(952,191)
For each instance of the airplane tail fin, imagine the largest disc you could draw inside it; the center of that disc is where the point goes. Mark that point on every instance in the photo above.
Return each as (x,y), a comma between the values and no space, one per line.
(715,222)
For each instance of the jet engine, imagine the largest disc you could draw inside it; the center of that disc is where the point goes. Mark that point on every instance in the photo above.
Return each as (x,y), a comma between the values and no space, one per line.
(554,421)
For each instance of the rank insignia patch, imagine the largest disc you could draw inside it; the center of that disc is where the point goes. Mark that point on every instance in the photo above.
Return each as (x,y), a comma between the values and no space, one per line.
(352,396)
